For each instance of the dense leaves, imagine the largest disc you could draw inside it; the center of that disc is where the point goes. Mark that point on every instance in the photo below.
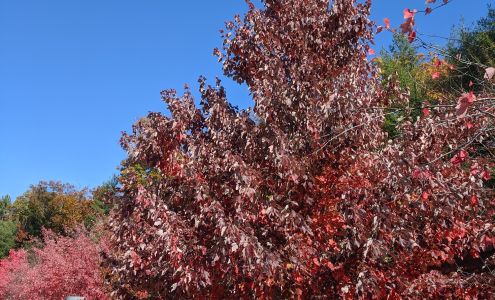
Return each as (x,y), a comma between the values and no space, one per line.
(64,266)
(305,195)
(52,205)
(14,264)
(64,260)
(473,52)
(8,230)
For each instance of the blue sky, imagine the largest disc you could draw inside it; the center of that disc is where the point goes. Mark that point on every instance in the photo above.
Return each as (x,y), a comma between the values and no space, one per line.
(74,74)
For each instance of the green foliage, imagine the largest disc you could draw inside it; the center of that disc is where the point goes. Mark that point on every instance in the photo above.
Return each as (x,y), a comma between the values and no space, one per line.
(471,50)
(144,173)
(102,203)
(392,120)
(5,204)
(32,210)
(51,205)
(8,230)
(402,65)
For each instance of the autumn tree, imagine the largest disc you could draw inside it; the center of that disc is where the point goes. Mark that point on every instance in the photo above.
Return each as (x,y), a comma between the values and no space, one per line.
(52,205)
(67,258)
(65,266)
(310,197)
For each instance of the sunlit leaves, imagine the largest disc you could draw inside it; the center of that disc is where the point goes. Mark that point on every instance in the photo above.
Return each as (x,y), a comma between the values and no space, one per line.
(304,195)
(464,102)
(489,72)
(387,23)
(64,266)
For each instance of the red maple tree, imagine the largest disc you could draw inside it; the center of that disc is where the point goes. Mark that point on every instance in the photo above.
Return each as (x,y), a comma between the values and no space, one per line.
(305,195)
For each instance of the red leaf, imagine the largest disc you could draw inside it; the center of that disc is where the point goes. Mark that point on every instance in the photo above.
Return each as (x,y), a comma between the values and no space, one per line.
(488,242)
(424,196)
(474,169)
(426,112)
(409,14)
(412,36)
(419,174)
(407,26)
(489,72)
(315,261)
(371,51)
(387,23)
(330,265)
(465,100)
(459,158)
(474,200)
(435,75)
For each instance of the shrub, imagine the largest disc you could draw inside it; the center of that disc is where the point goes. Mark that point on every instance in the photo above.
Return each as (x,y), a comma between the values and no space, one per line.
(64,266)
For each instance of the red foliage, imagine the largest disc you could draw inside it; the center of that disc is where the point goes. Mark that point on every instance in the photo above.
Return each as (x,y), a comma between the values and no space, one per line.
(64,266)
(465,100)
(10,268)
(387,23)
(307,197)
(435,75)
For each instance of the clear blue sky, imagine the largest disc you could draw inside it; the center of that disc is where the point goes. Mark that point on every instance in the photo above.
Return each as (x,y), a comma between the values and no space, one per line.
(74,74)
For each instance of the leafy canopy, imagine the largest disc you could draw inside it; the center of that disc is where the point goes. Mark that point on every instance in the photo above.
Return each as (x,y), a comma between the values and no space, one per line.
(311,199)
